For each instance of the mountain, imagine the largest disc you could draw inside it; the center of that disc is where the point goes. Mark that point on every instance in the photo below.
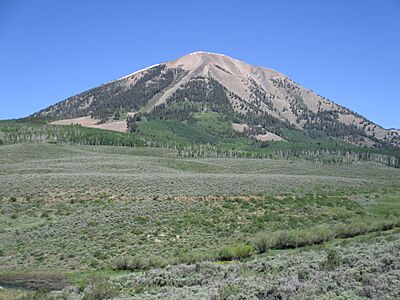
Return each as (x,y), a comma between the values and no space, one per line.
(257,102)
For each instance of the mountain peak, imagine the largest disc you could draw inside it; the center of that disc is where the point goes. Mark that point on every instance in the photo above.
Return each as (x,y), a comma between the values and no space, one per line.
(210,54)
(205,53)
(203,63)
(259,99)
(204,57)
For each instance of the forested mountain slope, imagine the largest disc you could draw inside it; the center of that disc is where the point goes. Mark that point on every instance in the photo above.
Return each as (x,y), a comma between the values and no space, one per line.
(255,101)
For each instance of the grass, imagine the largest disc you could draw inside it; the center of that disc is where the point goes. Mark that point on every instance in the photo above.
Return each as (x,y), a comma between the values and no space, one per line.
(85,172)
(93,234)
(234,252)
(89,211)
(215,122)
(177,132)
(358,268)
(362,267)
(286,239)
(12,294)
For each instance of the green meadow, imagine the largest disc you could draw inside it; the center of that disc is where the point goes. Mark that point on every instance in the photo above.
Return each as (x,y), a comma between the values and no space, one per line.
(147,223)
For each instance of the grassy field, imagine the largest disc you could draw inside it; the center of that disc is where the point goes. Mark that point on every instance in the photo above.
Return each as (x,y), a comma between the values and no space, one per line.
(82,215)
(65,172)
(365,267)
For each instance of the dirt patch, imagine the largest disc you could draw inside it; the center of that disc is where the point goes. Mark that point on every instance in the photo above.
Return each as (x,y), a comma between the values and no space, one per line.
(269,136)
(119,126)
(87,121)
(83,121)
(239,127)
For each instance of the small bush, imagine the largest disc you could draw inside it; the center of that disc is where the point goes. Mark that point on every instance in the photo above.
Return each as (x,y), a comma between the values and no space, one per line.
(261,244)
(137,263)
(228,291)
(332,260)
(303,275)
(99,254)
(235,252)
(45,214)
(98,289)
(194,257)
(43,294)
(122,264)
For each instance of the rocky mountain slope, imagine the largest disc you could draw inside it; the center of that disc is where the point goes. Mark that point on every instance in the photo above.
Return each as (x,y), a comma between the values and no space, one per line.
(257,101)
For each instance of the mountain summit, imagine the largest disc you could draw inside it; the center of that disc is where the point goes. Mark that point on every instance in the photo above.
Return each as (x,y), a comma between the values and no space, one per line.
(256,101)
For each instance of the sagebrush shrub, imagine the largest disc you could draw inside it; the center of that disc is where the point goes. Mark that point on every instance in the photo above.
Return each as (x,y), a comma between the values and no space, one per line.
(333,260)
(98,289)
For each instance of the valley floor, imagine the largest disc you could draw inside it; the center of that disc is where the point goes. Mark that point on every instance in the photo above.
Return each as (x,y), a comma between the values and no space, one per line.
(143,223)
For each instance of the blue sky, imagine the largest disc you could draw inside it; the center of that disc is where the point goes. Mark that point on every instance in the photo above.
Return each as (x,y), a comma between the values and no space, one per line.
(347,51)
